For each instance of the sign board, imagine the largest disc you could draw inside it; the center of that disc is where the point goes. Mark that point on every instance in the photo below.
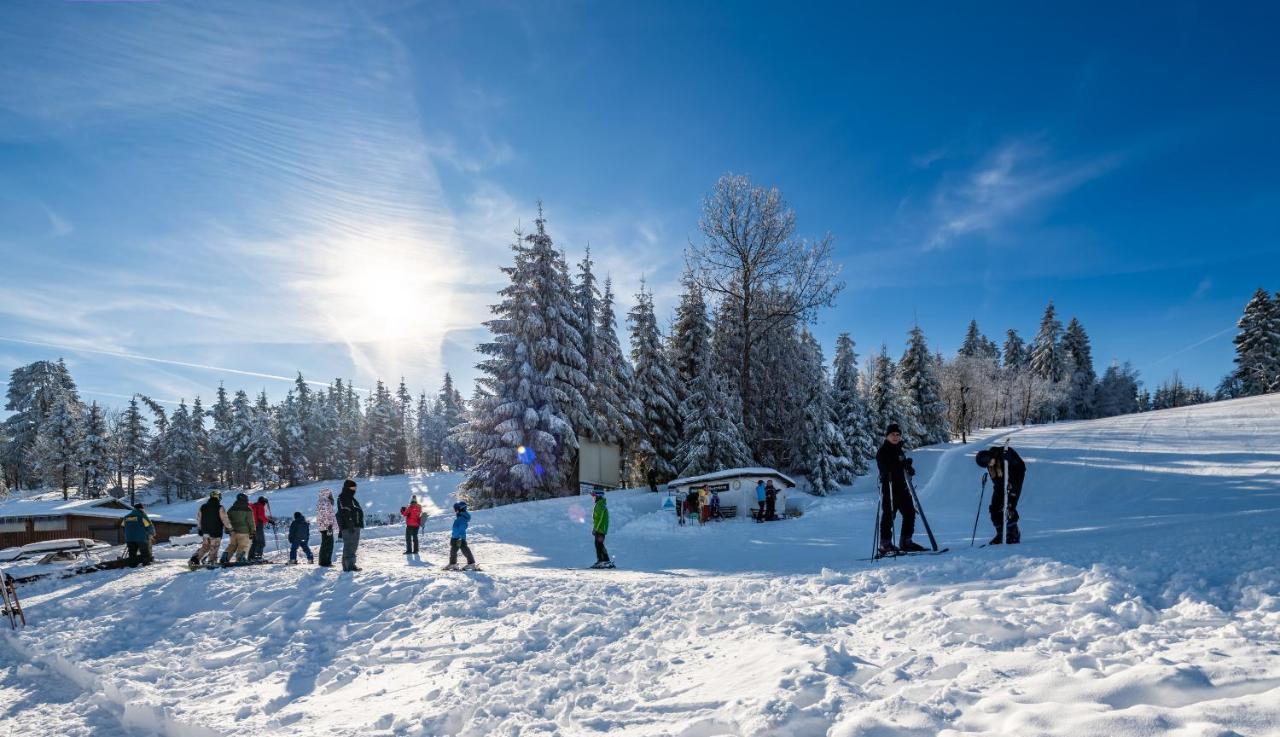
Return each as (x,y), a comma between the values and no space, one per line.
(599,464)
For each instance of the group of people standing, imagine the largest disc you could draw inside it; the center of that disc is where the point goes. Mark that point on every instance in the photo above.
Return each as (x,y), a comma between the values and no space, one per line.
(1002,464)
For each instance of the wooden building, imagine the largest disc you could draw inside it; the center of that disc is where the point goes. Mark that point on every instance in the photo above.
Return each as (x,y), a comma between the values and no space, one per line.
(24,521)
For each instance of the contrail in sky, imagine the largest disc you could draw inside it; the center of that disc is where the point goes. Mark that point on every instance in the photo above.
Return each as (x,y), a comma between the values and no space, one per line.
(166,361)
(1194,345)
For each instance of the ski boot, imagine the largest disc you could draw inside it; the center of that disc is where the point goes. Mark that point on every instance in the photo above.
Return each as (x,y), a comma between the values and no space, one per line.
(910,546)
(604,564)
(887,549)
(452,567)
(997,540)
(194,562)
(471,567)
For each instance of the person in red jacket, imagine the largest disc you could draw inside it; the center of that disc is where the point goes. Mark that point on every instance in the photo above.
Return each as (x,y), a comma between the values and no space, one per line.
(412,521)
(261,518)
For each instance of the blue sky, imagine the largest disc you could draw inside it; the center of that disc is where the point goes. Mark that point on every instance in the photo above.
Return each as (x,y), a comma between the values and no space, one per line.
(245,190)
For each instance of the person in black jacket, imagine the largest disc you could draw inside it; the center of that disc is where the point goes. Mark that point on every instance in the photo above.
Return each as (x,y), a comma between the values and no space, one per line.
(350,522)
(213,522)
(995,461)
(299,537)
(895,496)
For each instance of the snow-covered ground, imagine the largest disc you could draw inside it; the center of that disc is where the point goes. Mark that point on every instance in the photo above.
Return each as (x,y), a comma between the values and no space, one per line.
(1144,600)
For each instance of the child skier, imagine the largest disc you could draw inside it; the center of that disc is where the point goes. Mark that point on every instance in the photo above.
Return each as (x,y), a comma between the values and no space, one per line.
(412,520)
(995,461)
(600,528)
(458,540)
(299,537)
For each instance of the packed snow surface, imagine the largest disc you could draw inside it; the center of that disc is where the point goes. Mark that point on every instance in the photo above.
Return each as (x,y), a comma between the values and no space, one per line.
(1144,600)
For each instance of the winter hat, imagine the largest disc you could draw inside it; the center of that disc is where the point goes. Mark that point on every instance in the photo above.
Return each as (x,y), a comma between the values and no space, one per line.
(349,484)
(891,429)
(460,507)
(983,458)
(263,500)
(242,497)
(597,495)
(138,505)
(215,494)
(413,499)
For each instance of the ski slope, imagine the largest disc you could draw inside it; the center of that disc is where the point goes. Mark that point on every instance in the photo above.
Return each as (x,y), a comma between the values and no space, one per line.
(1144,600)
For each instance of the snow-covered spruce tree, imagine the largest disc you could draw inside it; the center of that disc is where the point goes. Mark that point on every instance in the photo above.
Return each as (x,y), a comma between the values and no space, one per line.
(431,434)
(1046,352)
(1117,391)
(819,447)
(222,441)
(58,442)
(294,464)
(92,457)
(711,423)
(530,397)
(1015,350)
(351,428)
(616,409)
(200,439)
(886,404)
(451,412)
(918,379)
(655,387)
(1077,355)
(1257,345)
(380,432)
(586,301)
(261,450)
(242,428)
(180,457)
(851,409)
(402,428)
(133,450)
(726,341)
(770,420)
(31,394)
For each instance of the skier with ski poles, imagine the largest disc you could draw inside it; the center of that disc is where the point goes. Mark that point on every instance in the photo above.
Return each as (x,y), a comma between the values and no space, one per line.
(458,539)
(1007,471)
(600,528)
(213,521)
(895,494)
(261,518)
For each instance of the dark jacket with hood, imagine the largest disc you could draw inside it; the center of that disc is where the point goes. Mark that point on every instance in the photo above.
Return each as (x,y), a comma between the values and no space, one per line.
(350,513)
(241,516)
(299,529)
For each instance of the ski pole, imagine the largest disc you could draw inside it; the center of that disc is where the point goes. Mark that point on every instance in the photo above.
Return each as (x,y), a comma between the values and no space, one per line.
(875,536)
(982,493)
(1004,520)
(924,519)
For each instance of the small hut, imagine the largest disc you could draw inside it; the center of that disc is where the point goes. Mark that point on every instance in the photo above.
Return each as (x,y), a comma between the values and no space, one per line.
(24,521)
(737,488)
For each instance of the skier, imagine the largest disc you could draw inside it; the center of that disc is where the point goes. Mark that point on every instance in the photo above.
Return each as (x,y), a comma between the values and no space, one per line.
(261,518)
(760,500)
(680,497)
(770,501)
(138,533)
(458,539)
(328,524)
(895,496)
(995,460)
(350,522)
(299,537)
(600,528)
(412,520)
(240,515)
(213,522)
(704,505)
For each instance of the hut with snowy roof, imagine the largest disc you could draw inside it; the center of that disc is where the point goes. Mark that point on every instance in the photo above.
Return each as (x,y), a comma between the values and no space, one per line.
(737,487)
(24,521)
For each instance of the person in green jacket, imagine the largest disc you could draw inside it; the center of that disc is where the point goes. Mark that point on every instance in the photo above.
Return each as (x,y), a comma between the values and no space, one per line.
(600,528)
(242,526)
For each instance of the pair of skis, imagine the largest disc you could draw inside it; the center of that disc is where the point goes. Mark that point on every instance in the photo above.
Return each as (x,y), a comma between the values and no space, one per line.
(933,542)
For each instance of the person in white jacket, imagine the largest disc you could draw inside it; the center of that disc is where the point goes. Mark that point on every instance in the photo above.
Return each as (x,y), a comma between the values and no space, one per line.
(327,523)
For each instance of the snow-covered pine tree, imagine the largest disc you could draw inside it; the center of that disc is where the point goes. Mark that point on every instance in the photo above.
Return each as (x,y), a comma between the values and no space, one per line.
(778,399)
(241,438)
(850,409)
(655,386)
(180,457)
(1257,345)
(402,428)
(1015,350)
(586,300)
(615,407)
(352,430)
(294,464)
(430,434)
(820,450)
(58,441)
(262,451)
(1118,391)
(691,335)
(92,456)
(973,340)
(200,440)
(451,412)
(886,404)
(1077,355)
(380,432)
(521,433)
(222,441)
(133,451)
(31,394)
(918,379)
(1046,351)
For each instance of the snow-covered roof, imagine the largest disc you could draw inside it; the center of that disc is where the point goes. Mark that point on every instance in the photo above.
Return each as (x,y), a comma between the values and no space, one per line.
(106,508)
(734,473)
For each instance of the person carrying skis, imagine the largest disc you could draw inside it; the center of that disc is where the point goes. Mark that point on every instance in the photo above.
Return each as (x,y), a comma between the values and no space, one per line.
(261,518)
(760,500)
(600,528)
(299,537)
(138,533)
(240,515)
(412,520)
(213,522)
(895,495)
(350,523)
(327,522)
(458,539)
(995,460)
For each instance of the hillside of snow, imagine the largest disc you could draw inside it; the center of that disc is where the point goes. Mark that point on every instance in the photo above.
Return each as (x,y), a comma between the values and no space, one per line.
(1145,599)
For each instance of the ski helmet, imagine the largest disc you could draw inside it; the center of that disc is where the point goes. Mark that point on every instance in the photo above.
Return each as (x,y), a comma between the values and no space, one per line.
(460,507)
(597,494)
(983,459)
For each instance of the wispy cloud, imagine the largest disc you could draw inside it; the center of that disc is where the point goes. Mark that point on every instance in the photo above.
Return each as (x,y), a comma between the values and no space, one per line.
(1007,184)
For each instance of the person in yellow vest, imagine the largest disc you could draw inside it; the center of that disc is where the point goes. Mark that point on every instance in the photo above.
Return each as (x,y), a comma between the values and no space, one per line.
(704,505)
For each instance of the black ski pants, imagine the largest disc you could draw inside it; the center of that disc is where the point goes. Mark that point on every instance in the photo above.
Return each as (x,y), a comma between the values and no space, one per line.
(997,506)
(456,544)
(410,539)
(896,498)
(601,553)
(139,554)
(326,547)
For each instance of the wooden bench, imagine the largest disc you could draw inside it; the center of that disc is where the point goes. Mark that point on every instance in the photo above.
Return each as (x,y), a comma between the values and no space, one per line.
(728,511)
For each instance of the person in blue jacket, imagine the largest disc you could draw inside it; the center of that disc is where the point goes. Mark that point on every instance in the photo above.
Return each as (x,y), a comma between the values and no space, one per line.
(760,499)
(458,539)
(299,537)
(138,534)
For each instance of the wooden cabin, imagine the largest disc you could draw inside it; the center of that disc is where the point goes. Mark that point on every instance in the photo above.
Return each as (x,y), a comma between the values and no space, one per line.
(24,521)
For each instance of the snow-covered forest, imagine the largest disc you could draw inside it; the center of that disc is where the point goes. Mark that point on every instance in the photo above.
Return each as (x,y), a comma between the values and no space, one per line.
(738,379)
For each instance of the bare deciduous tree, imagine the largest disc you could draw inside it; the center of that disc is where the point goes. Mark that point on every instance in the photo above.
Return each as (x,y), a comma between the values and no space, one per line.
(750,256)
